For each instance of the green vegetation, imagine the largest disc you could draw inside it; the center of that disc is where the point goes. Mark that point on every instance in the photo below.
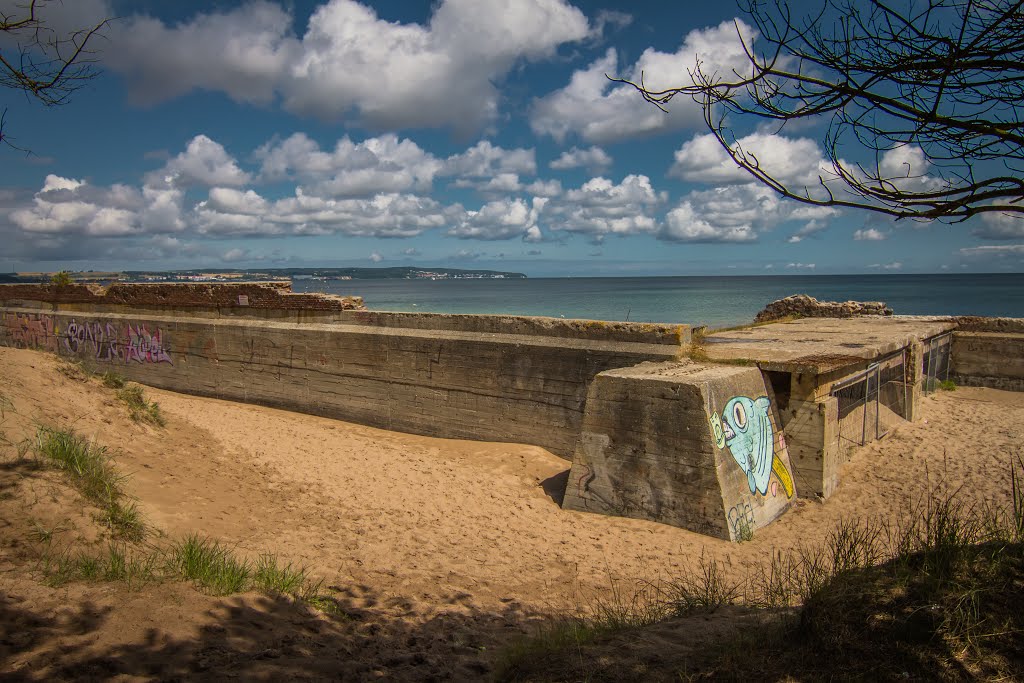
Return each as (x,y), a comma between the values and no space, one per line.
(205,562)
(112,380)
(935,595)
(215,568)
(210,565)
(947,385)
(697,351)
(383,273)
(91,471)
(74,370)
(61,279)
(120,563)
(605,616)
(272,577)
(140,409)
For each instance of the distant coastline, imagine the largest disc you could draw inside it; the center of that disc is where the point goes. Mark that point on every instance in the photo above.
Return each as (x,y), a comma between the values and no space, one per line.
(250,274)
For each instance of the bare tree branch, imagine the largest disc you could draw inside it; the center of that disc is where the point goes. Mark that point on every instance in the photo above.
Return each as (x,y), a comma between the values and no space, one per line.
(40,61)
(944,76)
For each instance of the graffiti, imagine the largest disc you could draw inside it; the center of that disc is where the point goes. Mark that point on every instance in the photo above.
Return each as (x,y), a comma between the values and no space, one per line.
(717,431)
(96,338)
(145,347)
(745,428)
(107,344)
(30,331)
(741,519)
(583,481)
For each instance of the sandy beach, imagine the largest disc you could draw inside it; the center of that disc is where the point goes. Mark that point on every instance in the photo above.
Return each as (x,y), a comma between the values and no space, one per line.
(441,551)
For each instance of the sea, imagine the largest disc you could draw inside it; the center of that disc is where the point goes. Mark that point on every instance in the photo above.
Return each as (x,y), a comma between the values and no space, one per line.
(713,301)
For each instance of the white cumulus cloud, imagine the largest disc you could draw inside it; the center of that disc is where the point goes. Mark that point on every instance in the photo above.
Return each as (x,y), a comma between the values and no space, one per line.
(870,235)
(503,219)
(683,224)
(591,157)
(204,162)
(792,161)
(993,250)
(349,60)
(601,207)
(1000,226)
(598,110)
(65,206)
(738,213)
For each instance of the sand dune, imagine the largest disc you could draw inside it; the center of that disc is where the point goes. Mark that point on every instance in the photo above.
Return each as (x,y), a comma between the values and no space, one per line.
(441,550)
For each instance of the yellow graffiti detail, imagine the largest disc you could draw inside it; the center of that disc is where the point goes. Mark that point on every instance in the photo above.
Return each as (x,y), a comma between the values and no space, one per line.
(716,430)
(783,474)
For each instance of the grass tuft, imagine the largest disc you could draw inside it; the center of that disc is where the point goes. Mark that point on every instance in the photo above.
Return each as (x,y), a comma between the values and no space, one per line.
(210,565)
(141,409)
(934,596)
(704,590)
(552,639)
(91,471)
(73,369)
(112,380)
(119,564)
(272,577)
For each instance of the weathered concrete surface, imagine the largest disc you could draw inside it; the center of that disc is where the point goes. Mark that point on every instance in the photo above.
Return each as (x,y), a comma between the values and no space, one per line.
(219,295)
(561,328)
(803,306)
(656,445)
(821,345)
(974,323)
(988,359)
(511,387)
(816,353)
(643,439)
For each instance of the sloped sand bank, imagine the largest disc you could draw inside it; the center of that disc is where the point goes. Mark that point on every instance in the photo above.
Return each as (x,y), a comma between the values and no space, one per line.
(438,551)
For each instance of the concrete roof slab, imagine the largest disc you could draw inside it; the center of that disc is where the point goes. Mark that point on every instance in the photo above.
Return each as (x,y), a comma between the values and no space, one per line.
(821,344)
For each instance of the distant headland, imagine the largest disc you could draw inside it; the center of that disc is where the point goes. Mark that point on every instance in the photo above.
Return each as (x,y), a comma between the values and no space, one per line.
(242,275)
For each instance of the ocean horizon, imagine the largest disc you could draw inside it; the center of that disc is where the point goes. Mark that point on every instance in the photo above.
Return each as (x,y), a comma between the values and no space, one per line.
(716,301)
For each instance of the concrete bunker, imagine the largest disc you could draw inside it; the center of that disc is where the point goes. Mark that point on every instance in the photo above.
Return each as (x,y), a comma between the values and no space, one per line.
(690,444)
(650,432)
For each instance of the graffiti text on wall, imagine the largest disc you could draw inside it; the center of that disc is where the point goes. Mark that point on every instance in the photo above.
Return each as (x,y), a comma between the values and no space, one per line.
(745,428)
(30,331)
(110,344)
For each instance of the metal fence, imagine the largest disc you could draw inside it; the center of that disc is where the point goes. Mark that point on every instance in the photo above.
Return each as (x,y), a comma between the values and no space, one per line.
(935,362)
(873,401)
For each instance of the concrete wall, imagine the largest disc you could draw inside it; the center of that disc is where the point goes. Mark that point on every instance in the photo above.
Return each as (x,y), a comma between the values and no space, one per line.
(421,374)
(692,445)
(243,296)
(988,359)
(647,439)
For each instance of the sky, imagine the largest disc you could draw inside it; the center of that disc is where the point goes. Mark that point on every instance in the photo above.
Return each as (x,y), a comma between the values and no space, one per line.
(454,133)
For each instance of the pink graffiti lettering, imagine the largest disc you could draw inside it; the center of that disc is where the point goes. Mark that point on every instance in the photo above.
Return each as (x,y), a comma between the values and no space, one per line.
(30,331)
(145,347)
(104,342)
(98,339)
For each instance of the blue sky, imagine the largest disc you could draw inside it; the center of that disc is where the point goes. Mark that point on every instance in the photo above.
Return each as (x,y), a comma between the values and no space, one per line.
(460,133)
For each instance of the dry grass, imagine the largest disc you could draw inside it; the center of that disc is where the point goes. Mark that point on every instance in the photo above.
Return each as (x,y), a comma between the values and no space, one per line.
(939,597)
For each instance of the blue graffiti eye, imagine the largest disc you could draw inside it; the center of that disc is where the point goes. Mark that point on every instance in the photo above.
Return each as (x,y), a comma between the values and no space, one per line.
(739,416)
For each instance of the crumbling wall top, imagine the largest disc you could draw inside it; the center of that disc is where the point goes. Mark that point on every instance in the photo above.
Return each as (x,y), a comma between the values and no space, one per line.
(258,295)
(803,306)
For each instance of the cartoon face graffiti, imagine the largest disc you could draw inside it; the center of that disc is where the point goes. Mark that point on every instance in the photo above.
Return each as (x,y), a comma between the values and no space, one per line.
(745,428)
(750,438)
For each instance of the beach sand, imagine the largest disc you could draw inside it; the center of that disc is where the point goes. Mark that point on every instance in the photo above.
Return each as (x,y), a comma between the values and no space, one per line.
(440,551)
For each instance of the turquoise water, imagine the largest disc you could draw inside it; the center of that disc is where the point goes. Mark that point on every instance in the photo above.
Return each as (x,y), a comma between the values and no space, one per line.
(713,301)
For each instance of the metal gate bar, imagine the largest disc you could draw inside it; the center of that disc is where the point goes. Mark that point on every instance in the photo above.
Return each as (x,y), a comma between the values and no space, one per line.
(935,363)
(882,388)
